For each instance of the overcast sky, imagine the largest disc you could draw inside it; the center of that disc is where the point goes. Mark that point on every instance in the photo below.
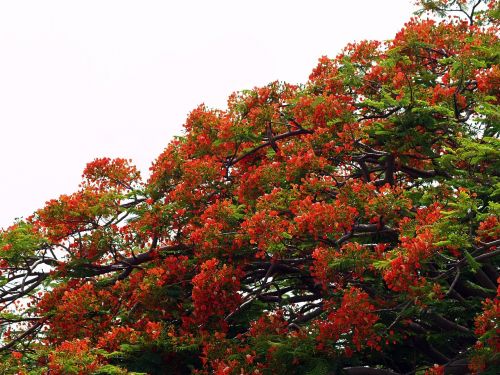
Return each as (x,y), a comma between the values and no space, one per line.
(87,79)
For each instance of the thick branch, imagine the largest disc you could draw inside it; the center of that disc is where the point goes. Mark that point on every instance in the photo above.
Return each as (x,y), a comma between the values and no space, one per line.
(25,334)
(368,371)
(269,143)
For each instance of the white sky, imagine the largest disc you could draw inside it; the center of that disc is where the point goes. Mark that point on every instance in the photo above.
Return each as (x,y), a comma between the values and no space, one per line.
(87,79)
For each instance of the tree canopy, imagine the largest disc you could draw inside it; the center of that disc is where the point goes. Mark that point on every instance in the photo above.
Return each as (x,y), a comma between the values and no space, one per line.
(348,225)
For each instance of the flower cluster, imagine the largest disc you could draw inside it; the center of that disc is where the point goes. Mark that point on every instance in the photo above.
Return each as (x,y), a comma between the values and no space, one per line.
(350,327)
(215,292)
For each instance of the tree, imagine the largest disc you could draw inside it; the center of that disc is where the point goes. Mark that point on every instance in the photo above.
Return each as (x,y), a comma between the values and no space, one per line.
(348,225)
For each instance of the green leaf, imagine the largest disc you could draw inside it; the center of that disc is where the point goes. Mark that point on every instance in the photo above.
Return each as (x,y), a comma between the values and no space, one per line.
(270,153)
(112,370)
(382,264)
(474,264)
(480,288)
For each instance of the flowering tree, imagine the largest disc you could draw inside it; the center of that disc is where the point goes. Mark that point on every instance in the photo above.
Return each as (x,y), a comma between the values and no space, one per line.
(348,225)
